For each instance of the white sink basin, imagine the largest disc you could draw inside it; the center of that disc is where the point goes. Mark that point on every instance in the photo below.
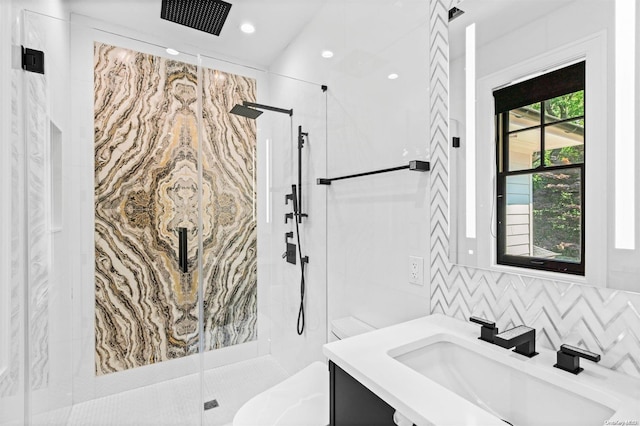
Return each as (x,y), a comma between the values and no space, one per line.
(434,371)
(506,392)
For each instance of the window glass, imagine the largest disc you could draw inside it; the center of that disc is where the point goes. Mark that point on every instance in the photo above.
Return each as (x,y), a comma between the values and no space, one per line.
(524,117)
(564,143)
(563,107)
(543,215)
(522,145)
(557,214)
(540,182)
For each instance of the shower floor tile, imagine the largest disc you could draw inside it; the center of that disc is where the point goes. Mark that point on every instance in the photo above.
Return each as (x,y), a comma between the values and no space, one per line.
(235,384)
(176,402)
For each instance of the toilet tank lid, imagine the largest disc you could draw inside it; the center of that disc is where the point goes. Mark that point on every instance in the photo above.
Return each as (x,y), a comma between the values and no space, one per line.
(348,327)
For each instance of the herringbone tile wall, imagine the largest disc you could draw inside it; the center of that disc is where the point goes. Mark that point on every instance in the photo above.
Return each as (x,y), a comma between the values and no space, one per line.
(601,320)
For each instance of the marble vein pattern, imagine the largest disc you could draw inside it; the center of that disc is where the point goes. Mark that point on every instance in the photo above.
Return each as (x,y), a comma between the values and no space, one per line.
(148,159)
(37,124)
(9,380)
(39,236)
(601,320)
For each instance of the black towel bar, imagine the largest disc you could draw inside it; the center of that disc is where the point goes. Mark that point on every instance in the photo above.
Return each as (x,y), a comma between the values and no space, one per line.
(416,165)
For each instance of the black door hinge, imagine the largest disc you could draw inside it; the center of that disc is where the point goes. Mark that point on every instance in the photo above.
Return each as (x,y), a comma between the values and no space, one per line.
(32,60)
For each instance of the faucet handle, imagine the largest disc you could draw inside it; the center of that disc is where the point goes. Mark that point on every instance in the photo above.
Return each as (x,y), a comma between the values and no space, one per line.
(288,197)
(488,329)
(568,358)
(483,322)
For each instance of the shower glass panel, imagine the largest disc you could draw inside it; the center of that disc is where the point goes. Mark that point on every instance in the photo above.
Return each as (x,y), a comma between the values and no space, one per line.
(148,227)
(111,328)
(251,294)
(39,362)
(309,102)
(138,111)
(13,229)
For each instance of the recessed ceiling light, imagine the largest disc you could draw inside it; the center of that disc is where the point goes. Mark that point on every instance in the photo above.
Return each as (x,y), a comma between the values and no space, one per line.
(247,28)
(392,76)
(327,54)
(171,51)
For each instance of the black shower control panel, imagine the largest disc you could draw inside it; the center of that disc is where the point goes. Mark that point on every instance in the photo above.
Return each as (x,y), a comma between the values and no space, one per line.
(291,253)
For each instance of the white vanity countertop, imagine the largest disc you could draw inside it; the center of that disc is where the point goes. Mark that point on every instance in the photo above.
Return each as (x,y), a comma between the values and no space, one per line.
(366,358)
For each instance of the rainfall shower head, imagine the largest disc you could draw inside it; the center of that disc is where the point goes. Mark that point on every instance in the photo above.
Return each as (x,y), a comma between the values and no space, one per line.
(244,110)
(204,15)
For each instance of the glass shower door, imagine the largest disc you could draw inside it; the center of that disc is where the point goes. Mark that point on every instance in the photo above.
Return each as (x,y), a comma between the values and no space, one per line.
(41,295)
(12,233)
(144,109)
(107,183)
(147,228)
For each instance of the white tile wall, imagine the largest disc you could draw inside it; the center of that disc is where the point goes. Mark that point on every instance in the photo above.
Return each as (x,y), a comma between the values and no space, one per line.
(374,223)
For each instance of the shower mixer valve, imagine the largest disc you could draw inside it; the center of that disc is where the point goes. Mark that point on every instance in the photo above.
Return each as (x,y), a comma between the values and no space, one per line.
(290,254)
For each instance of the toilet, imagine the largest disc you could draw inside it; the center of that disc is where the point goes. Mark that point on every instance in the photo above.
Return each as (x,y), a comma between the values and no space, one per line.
(302,399)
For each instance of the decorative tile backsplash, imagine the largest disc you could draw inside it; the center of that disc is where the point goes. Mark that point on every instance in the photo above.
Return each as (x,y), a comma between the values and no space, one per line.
(602,320)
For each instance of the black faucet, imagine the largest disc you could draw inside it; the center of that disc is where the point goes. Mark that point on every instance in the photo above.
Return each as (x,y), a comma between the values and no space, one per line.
(522,337)
(568,358)
(488,330)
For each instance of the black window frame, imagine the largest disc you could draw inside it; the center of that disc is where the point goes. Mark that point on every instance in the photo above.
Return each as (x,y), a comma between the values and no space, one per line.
(556,83)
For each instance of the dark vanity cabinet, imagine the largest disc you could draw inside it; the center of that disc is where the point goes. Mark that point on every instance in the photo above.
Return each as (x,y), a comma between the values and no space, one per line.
(351,403)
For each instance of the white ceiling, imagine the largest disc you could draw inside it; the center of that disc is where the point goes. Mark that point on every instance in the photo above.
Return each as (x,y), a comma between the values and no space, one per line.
(277,23)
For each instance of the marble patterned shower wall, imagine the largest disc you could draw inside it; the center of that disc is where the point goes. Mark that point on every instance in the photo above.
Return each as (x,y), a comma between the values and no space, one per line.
(229,211)
(147,185)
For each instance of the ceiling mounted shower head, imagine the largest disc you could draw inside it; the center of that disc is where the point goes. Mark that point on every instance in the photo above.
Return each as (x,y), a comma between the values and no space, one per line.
(204,15)
(245,111)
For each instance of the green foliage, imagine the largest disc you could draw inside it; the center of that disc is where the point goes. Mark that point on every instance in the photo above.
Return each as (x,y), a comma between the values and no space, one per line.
(557,213)
(557,195)
(563,107)
(567,106)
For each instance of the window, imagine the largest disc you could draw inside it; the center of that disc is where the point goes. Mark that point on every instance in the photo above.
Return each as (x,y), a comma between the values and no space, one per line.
(540,152)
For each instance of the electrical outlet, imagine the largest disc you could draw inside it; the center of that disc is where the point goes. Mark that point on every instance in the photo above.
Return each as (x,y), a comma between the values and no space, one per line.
(416,268)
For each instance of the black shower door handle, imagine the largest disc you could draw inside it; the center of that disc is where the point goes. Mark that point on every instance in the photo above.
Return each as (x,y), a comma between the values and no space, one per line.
(182,249)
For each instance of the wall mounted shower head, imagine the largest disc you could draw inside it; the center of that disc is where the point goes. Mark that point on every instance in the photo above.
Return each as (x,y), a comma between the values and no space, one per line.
(247,109)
